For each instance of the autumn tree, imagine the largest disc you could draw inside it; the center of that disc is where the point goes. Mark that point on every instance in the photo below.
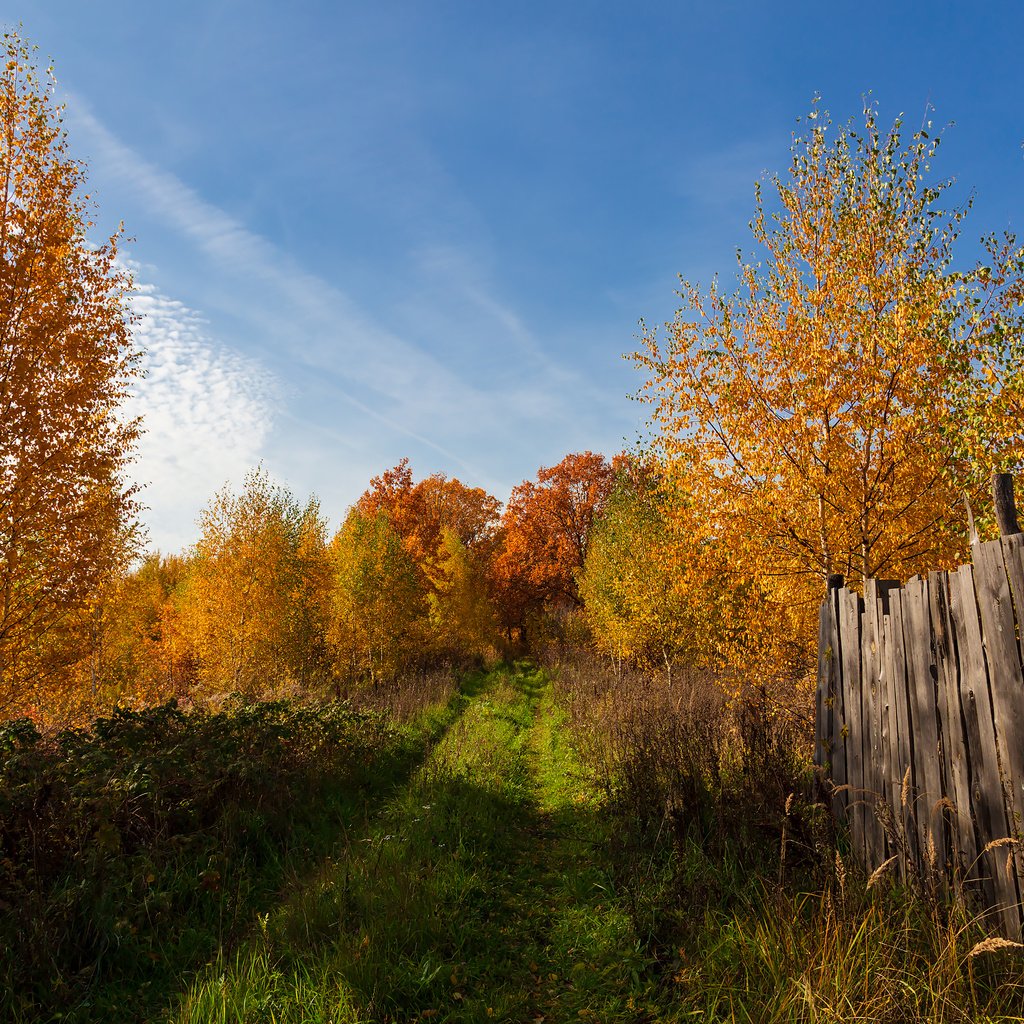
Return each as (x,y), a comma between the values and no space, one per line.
(449,531)
(378,599)
(461,613)
(251,607)
(813,417)
(545,531)
(134,651)
(422,512)
(631,582)
(66,363)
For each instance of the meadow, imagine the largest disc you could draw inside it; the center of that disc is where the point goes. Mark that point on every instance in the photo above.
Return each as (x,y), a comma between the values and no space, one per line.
(458,758)
(555,843)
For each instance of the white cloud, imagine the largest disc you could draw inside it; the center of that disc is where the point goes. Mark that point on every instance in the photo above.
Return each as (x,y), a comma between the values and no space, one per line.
(206,412)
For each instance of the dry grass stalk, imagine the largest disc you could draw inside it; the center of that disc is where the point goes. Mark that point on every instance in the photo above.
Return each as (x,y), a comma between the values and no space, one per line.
(841,875)
(996,843)
(881,870)
(905,789)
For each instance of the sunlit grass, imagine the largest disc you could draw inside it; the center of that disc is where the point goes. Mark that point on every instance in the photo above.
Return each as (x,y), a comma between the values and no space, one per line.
(479,896)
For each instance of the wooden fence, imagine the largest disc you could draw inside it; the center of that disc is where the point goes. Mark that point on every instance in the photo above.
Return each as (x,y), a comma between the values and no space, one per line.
(920,724)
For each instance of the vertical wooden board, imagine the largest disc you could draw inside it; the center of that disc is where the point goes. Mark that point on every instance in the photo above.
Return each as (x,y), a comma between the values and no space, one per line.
(922,676)
(875,838)
(849,612)
(904,748)
(883,669)
(963,848)
(822,698)
(837,689)
(1013,560)
(987,800)
(890,737)
(1013,563)
(1006,677)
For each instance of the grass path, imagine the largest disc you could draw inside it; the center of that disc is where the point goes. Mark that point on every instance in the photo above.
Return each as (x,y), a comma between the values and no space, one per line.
(478,894)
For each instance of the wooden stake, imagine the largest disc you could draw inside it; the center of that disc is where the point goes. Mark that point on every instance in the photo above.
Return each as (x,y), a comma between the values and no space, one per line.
(1006,509)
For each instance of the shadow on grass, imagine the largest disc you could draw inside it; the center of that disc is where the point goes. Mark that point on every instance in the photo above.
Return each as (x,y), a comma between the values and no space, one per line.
(468,902)
(130,933)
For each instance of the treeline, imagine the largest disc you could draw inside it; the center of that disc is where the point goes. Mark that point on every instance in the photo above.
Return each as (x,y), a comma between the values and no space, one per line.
(830,415)
(267,601)
(421,573)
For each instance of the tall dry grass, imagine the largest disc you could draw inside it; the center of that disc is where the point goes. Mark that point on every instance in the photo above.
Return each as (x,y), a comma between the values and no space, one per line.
(736,877)
(713,767)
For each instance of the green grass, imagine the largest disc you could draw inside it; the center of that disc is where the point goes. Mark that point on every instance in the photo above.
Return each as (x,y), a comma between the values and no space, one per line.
(478,895)
(137,852)
(471,867)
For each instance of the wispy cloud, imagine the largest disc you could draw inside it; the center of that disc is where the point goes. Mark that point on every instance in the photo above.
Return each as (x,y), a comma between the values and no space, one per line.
(206,412)
(317,322)
(460,373)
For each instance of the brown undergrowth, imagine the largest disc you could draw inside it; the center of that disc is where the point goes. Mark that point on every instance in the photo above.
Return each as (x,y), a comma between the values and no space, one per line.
(738,881)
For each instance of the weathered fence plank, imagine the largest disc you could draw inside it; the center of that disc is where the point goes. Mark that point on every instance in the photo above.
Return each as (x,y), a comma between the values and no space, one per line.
(1003,653)
(1013,560)
(906,775)
(874,785)
(849,624)
(823,694)
(987,804)
(890,737)
(920,702)
(921,676)
(963,847)
(838,738)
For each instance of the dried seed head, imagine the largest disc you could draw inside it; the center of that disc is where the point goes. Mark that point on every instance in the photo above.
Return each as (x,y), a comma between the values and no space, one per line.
(882,868)
(993,945)
(789,802)
(905,788)
(996,843)
(841,873)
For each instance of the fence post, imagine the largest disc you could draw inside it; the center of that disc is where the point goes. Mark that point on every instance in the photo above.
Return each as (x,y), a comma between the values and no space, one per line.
(1006,508)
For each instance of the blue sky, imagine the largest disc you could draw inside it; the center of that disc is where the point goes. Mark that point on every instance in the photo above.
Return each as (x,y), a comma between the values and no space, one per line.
(428,229)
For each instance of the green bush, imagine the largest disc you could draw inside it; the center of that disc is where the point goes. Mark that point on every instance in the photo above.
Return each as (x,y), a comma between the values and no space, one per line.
(137,848)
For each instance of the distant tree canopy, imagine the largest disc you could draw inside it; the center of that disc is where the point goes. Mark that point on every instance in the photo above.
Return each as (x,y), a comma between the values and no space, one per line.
(829,415)
(629,585)
(546,530)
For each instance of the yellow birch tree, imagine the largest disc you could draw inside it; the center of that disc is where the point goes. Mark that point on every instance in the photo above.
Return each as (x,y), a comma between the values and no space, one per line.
(811,417)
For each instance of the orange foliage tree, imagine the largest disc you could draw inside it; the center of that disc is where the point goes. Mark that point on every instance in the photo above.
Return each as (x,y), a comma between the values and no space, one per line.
(422,512)
(135,653)
(546,529)
(810,420)
(448,529)
(66,363)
